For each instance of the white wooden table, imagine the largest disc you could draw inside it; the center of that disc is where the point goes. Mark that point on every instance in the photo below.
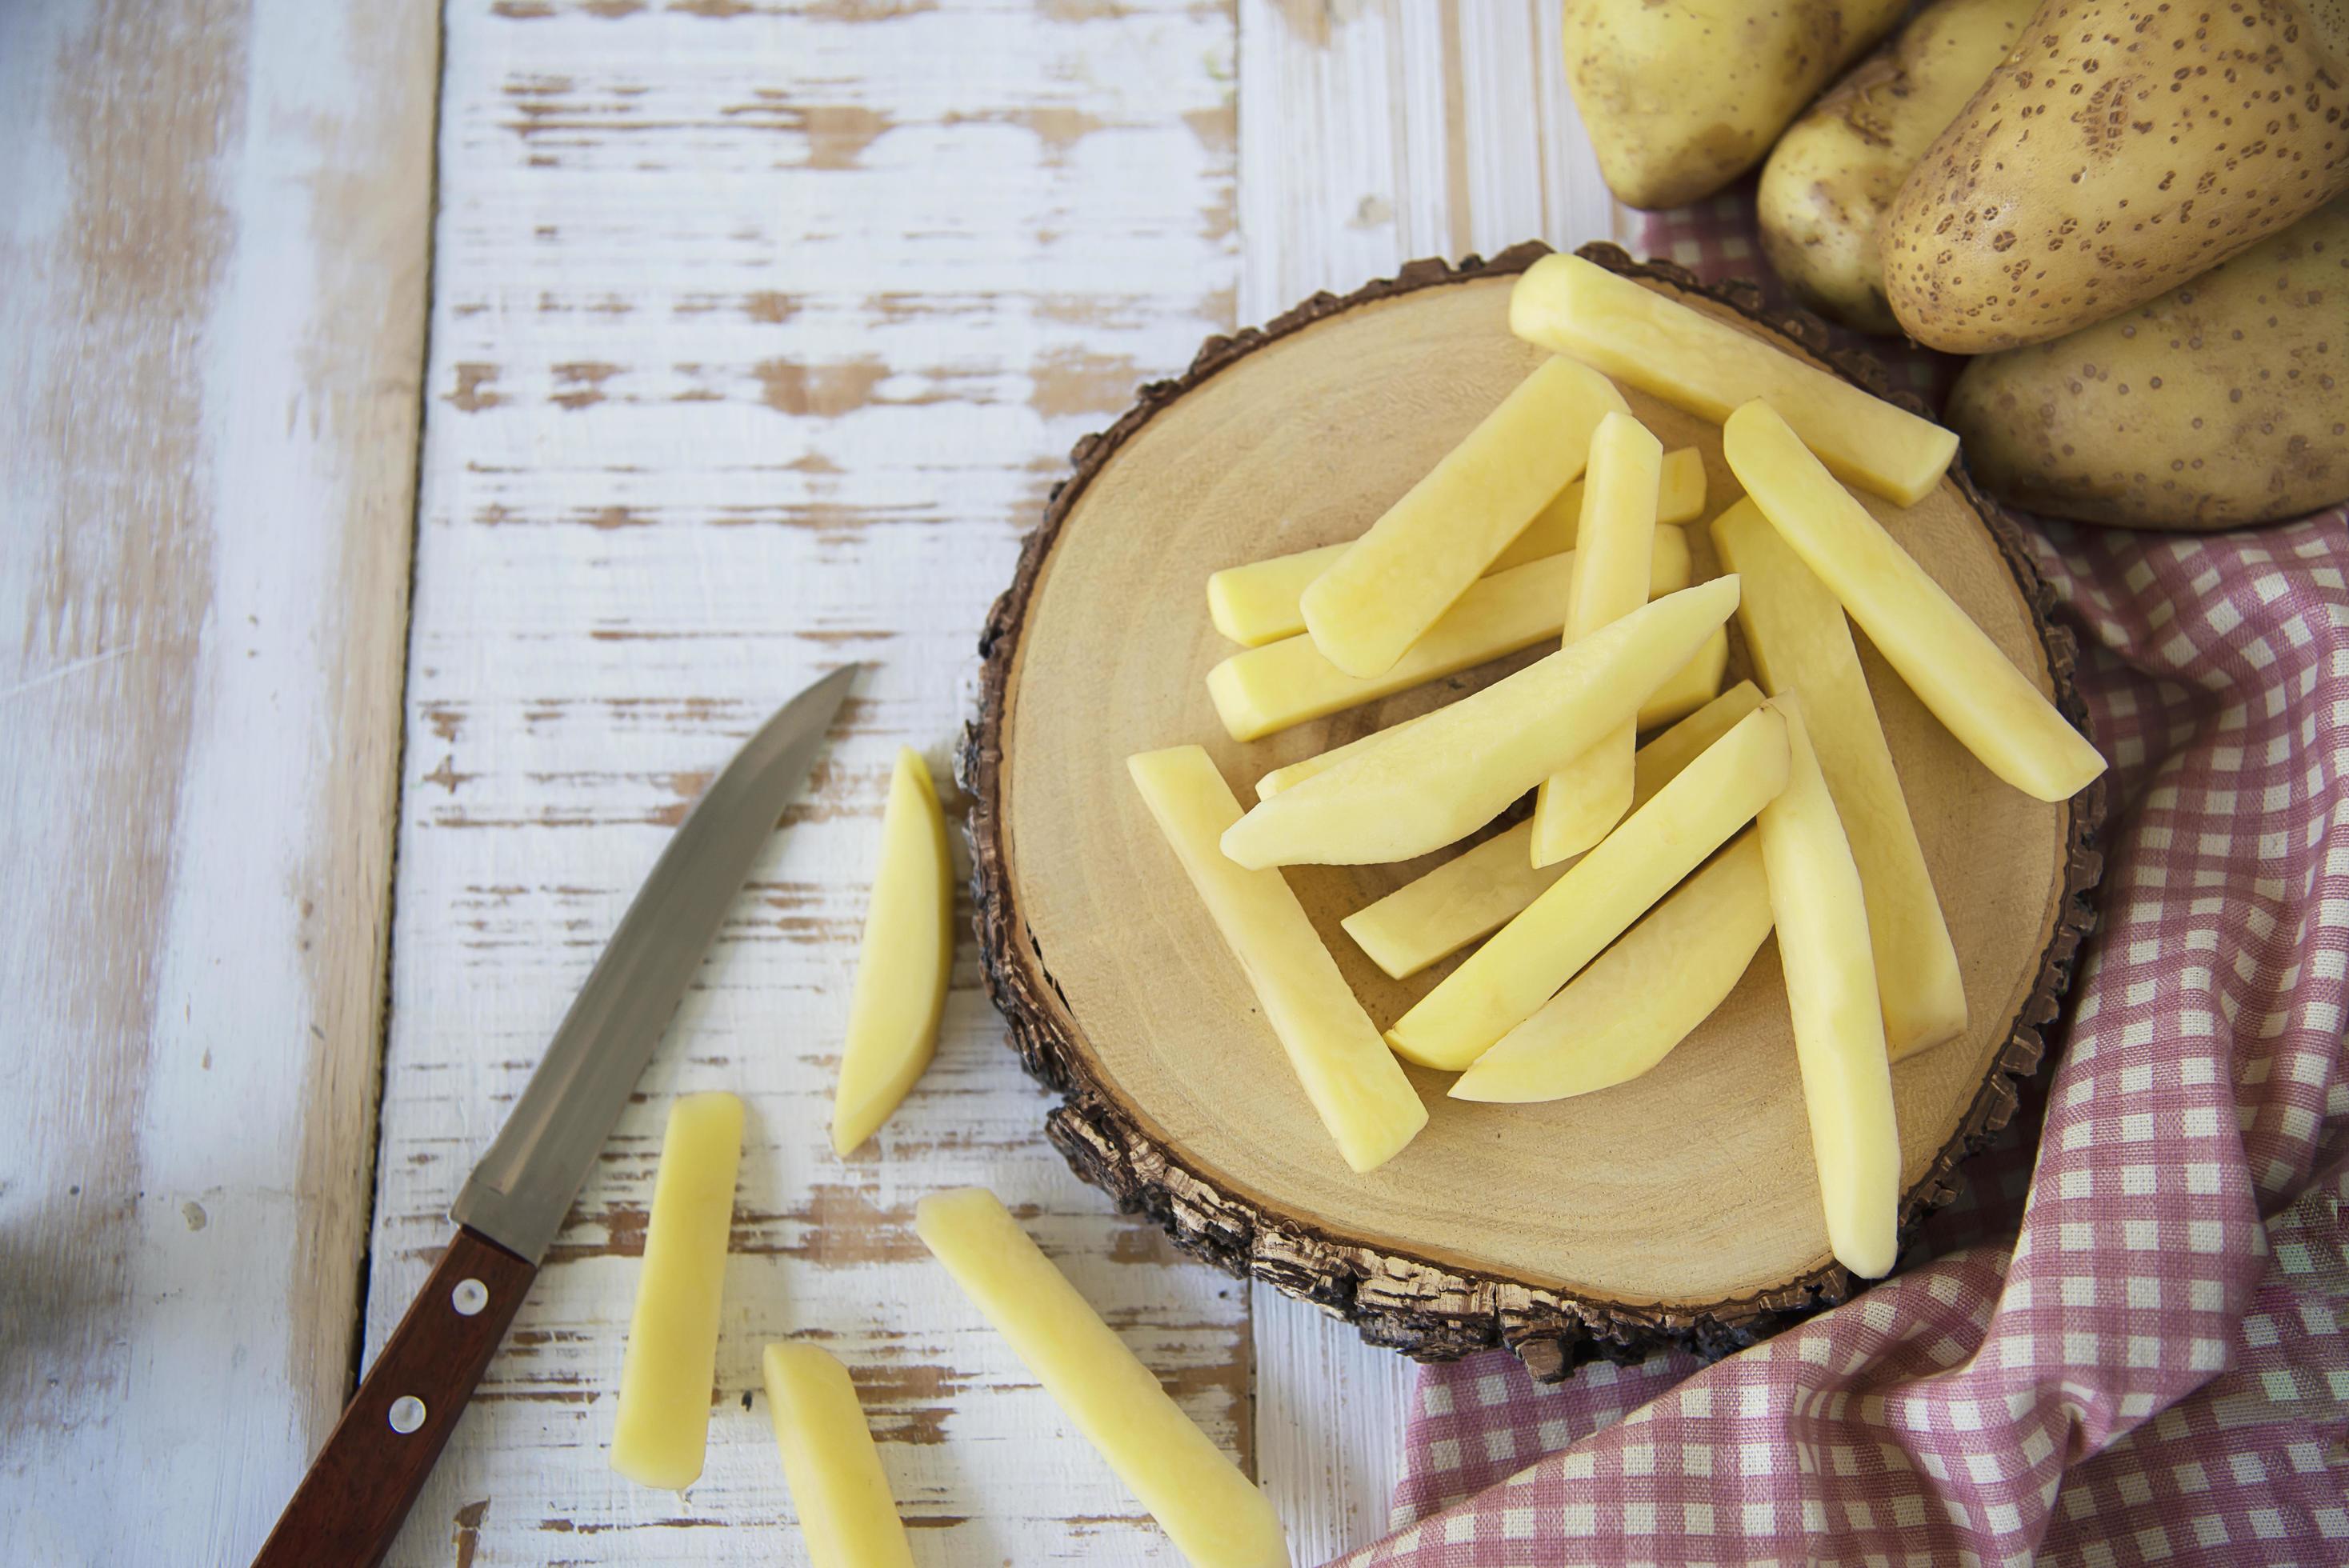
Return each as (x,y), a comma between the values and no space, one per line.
(432,440)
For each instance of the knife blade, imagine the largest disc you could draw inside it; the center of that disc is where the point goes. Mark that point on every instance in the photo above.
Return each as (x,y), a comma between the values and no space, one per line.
(350,1504)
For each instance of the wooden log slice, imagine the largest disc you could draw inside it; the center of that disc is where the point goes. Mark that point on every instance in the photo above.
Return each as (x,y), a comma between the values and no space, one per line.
(1679,1209)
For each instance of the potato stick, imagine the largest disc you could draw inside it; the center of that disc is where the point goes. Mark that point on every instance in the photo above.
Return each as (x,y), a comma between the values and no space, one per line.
(1579,803)
(1679,498)
(1258,603)
(1692,686)
(1795,632)
(1972,688)
(1280,683)
(1687,689)
(1348,1074)
(1699,362)
(1399,578)
(1441,780)
(661,1427)
(1474,895)
(1505,982)
(846,1515)
(1640,997)
(1215,1516)
(1817,904)
(903,962)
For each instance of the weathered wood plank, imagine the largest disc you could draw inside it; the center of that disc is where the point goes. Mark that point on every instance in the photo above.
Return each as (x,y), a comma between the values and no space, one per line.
(759,336)
(213,230)
(1372,132)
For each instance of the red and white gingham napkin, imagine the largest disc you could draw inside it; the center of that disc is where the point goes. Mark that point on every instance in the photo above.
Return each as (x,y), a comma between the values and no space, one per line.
(2135,1350)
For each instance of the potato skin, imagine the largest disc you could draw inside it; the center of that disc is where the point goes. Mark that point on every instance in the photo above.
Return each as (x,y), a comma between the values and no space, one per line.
(1835,174)
(2123,148)
(2222,402)
(1681,96)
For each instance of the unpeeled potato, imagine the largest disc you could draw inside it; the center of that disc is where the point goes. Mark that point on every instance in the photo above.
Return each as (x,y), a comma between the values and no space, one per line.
(2222,402)
(1836,172)
(2119,150)
(1681,96)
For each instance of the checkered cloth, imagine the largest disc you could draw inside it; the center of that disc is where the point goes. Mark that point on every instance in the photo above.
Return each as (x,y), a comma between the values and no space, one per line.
(2136,1350)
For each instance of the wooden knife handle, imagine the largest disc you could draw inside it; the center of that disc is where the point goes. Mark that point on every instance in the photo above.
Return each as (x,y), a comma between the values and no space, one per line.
(350,1507)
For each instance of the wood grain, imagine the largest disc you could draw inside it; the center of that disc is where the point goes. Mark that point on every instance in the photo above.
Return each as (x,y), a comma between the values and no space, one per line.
(759,336)
(1375,130)
(1482,1230)
(212,233)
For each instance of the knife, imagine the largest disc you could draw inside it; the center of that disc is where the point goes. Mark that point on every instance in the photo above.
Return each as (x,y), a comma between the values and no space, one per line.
(361,1485)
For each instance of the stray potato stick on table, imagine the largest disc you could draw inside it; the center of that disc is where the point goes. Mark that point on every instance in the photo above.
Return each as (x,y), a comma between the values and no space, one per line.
(905,962)
(846,1515)
(660,1432)
(1211,1511)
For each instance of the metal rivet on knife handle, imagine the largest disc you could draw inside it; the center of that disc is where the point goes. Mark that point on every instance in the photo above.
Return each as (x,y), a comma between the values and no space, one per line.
(407,1414)
(470,1296)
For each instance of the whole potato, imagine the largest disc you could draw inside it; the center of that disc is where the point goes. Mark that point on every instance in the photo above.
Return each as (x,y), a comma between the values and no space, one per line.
(1681,96)
(2223,402)
(2121,149)
(1834,174)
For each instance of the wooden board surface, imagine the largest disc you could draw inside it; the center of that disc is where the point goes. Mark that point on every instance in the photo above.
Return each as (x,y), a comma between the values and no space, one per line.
(212,251)
(1297,443)
(757,341)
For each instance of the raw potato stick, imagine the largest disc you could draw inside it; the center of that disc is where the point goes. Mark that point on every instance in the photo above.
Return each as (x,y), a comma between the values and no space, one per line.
(1690,687)
(1679,498)
(1260,603)
(905,962)
(1285,683)
(661,1429)
(1474,895)
(1796,632)
(1686,690)
(1579,803)
(1441,780)
(846,1515)
(1505,982)
(1356,1087)
(1214,1517)
(1700,363)
(1815,901)
(1640,997)
(1394,581)
(1958,672)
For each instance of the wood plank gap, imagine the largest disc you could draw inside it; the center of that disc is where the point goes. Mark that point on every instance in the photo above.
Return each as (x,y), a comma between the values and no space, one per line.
(364,1286)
